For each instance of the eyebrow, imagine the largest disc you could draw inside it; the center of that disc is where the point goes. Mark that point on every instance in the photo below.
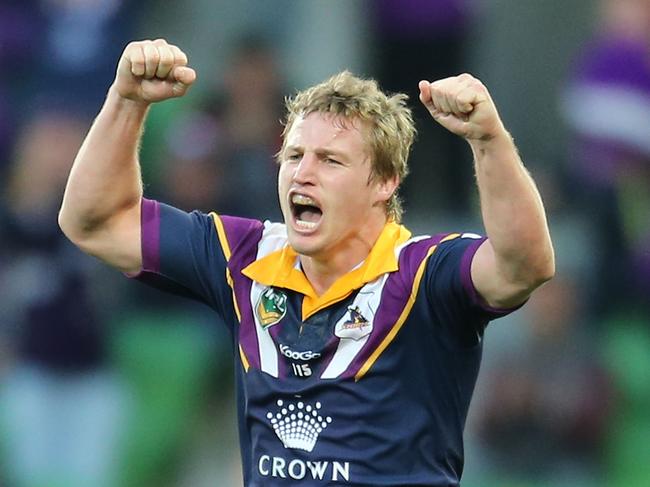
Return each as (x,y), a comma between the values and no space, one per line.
(319,152)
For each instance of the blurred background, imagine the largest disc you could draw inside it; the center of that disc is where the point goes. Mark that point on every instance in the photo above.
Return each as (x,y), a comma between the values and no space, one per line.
(104,382)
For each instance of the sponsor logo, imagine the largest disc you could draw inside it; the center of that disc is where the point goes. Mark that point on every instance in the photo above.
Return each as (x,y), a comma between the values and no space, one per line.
(298,426)
(307,355)
(271,307)
(355,326)
(278,467)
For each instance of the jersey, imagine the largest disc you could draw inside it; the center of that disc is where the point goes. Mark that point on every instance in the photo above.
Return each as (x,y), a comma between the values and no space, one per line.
(367,384)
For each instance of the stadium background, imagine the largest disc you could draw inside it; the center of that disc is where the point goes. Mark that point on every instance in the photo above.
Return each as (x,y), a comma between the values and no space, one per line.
(104,382)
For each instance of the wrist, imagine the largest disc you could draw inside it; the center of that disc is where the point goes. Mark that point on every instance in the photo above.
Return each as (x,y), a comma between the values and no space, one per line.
(499,141)
(123,103)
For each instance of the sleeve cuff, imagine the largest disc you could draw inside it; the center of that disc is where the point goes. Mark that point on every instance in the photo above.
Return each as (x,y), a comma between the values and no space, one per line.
(150,238)
(466,279)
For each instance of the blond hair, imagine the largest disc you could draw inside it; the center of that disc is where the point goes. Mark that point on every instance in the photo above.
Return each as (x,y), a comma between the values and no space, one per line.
(391,128)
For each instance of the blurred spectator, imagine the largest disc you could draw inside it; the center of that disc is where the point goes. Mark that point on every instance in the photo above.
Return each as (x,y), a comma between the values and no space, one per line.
(249,112)
(60,406)
(230,140)
(545,418)
(78,39)
(195,171)
(425,39)
(19,27)
(55,53)
(607,105)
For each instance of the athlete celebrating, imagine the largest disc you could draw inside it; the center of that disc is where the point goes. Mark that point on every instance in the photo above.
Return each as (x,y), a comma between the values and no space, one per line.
(357,345)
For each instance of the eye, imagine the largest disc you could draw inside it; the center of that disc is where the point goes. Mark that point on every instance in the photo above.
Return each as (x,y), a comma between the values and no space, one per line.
(329,160)
(294,157)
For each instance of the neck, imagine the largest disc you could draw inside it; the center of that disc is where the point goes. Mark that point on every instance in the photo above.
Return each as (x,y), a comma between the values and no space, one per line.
(324,270)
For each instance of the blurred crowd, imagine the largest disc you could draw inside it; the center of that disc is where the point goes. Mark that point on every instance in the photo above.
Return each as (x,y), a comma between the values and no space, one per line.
(106,383)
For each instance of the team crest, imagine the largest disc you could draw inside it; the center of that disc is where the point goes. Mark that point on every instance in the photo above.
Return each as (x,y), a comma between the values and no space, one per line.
(354,326)
(271,307)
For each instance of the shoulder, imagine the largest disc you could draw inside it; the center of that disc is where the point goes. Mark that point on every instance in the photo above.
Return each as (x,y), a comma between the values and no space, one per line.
(426,250)
(244,240)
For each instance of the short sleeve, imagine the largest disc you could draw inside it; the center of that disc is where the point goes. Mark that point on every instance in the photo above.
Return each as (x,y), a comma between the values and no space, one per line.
(181,254)
(453,298)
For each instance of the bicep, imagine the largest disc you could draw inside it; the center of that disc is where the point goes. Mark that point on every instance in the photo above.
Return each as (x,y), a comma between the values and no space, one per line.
(489,281)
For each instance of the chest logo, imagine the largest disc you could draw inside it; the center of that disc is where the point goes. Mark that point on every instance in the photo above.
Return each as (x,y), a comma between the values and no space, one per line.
(354,326)
(298,425)
(271,307)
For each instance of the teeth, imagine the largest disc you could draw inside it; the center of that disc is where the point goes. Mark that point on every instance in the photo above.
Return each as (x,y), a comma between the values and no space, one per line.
(301,199)
(305,225)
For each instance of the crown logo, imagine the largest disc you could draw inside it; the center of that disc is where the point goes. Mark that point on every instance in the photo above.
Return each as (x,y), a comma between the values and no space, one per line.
(298,425)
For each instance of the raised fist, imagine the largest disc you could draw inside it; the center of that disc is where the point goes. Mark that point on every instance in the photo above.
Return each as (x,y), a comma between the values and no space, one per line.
(462,104)
(151,71)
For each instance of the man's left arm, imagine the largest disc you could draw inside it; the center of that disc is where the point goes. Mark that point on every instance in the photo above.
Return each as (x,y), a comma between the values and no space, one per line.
(518,255)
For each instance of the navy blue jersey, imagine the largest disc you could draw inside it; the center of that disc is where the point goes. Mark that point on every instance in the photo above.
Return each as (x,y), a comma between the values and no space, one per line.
(368,384)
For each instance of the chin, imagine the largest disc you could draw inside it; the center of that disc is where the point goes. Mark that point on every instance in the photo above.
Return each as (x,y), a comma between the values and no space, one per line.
(304,245)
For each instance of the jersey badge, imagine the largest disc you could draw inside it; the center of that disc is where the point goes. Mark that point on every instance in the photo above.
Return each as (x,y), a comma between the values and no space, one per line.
(271,307)
(355,326)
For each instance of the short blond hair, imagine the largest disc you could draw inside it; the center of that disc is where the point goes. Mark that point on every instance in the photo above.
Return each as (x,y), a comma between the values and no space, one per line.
(391,128)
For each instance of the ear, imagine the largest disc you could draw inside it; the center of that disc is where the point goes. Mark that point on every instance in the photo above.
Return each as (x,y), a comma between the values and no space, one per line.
(386,188)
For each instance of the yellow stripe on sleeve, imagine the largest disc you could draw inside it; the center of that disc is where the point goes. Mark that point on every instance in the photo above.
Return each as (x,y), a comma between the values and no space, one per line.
(244,360)
(225,246)
(221,233)
(234,298)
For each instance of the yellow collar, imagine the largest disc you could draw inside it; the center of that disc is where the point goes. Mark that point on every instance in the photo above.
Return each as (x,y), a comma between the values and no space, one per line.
(280,269)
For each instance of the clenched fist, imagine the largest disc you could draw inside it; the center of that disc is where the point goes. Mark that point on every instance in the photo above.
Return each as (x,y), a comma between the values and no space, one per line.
(151,71)
(463,106)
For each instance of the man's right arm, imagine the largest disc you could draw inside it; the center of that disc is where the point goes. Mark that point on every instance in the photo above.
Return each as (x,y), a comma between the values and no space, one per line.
(101,206)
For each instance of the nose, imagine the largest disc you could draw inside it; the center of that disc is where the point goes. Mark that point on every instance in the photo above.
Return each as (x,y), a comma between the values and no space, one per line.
(305,170)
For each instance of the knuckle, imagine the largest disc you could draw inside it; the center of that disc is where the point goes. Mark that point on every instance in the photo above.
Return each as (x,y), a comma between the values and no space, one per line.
(135,44)
(178,54)
(168,53)
(152,54)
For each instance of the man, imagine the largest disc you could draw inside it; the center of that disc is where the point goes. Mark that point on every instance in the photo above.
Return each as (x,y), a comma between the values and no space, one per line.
(357,345)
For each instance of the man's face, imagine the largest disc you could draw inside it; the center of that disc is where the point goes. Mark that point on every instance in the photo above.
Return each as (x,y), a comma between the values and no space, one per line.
(327,199)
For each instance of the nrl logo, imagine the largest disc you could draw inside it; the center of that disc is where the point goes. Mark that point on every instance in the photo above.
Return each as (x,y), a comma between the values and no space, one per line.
(271,307)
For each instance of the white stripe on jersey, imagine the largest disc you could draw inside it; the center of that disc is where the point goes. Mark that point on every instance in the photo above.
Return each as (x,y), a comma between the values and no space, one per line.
(274,237)
(367,301)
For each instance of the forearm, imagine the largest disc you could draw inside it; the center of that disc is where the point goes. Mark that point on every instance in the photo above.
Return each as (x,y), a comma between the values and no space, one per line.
(105,177)
(513,213)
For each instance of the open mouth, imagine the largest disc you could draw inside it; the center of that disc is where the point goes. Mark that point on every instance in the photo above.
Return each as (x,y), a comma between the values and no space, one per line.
(306,212)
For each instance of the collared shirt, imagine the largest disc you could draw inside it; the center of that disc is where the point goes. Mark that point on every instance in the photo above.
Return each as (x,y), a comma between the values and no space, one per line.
(367,384)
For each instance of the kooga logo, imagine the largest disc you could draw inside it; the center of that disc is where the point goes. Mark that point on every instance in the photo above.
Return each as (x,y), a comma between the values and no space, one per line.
(298,427)
(308,355)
